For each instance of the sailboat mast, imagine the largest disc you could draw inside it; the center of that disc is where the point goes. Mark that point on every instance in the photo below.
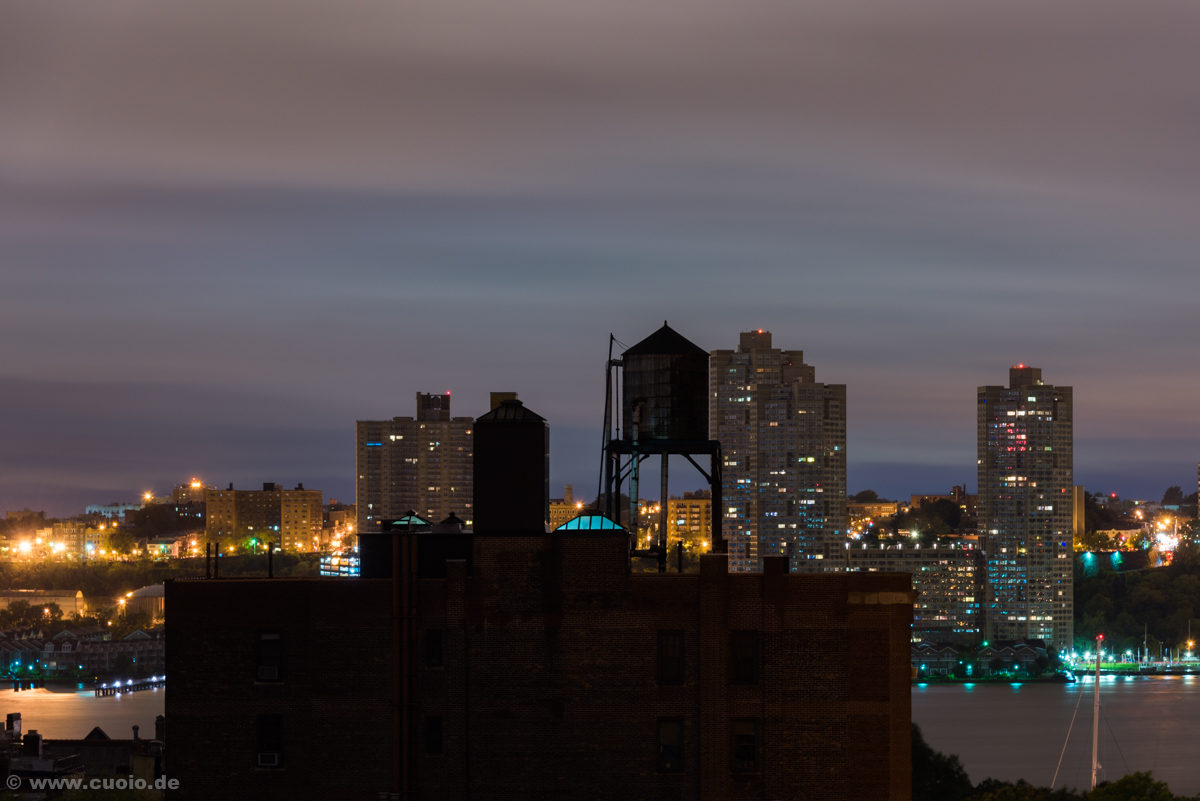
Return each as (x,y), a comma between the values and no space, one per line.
(1096,713)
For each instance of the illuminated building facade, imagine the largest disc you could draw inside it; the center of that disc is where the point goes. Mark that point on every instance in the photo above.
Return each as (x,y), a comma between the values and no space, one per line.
(301,518)
(1026,504)
(690,518)
(951,582)
(422,465)
(562,509)
(783,441)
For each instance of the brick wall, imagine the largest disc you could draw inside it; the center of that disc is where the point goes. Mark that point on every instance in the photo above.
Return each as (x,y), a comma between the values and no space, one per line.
(548,687)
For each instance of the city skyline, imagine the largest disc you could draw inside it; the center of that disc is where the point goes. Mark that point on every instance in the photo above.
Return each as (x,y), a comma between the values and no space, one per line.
(213,279)
(572,462)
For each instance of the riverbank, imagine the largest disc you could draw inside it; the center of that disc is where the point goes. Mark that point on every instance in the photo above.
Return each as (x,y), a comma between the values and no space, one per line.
(1056,679)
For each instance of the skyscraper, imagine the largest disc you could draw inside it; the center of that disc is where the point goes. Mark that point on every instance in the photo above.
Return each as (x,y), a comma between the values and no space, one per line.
(1025,507)
(422,464)
(783,443)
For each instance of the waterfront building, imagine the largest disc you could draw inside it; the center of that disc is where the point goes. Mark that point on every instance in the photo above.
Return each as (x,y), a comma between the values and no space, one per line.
(525,651)
(783,443)
(421,465)
(1026,503)
(950,582)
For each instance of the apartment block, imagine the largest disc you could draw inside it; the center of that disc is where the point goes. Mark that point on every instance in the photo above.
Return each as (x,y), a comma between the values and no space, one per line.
(783,441)
(422,464)
(951,582)
(234,515)
(301,518)
(690,519)
(1026,506)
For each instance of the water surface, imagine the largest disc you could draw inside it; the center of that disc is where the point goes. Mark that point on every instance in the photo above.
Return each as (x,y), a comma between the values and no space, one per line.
(1017,731)
(65,713)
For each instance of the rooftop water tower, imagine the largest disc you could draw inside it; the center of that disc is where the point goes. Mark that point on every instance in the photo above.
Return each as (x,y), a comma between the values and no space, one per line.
(663,383)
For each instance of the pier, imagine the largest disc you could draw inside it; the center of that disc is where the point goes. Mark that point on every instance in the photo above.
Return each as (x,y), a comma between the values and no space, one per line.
(131,686)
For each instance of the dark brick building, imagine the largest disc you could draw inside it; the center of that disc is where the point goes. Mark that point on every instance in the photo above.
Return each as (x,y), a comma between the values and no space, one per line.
(542,668)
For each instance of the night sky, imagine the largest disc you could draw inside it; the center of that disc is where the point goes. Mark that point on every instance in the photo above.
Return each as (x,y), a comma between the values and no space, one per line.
(228,229)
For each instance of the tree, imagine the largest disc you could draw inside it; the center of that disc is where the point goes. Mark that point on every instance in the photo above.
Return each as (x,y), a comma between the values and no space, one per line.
(1139,786)
(1173,496)
(866,496)
(995,790)
(936,776)
(1095,516)
(122,664)
(120,540)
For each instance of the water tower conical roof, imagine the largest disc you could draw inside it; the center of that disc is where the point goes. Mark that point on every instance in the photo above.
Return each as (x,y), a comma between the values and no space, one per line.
(666,341)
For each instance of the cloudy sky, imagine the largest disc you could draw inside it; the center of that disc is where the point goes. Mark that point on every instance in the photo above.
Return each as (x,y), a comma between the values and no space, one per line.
(229,229)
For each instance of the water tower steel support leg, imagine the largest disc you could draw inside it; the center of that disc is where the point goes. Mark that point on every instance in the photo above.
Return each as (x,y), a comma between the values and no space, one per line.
(662,516)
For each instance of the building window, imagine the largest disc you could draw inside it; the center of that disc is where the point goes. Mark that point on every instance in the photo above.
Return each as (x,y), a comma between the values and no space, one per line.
(270,741)
(670,746)
(433,737)
(670,657)
(270,656)
(433,648)
(743,649)
(744,743)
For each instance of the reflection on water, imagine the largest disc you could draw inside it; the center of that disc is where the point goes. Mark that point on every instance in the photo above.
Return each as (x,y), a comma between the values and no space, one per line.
(66,713)
(1017,731)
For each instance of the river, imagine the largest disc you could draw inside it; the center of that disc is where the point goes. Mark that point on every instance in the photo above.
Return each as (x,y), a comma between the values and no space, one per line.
(1017,731)
(998,730)
(66,713)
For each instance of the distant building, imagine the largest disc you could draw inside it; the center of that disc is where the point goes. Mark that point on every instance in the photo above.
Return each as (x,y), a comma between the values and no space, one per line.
(69,602)
(783,441)
(113,511)
(24,516)
(1026,503)
(689,519)
(149,601)
(236,514)
(871,510)
(967,502)
(951,583)
(192,492)
(1078,512)
(302,516)
(422,465)
(70,538)
(564,508)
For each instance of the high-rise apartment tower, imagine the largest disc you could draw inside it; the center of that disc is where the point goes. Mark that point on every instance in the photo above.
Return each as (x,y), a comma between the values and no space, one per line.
(421,464)
(783,442)
(1026,503)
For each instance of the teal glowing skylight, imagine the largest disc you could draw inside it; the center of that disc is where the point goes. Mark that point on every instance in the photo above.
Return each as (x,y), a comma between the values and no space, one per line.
(590,523)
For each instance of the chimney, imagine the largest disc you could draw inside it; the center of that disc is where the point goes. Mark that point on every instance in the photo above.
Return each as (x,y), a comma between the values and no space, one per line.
(160,729)
(512,471)
(135,733)
(32,744)
(13,726)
